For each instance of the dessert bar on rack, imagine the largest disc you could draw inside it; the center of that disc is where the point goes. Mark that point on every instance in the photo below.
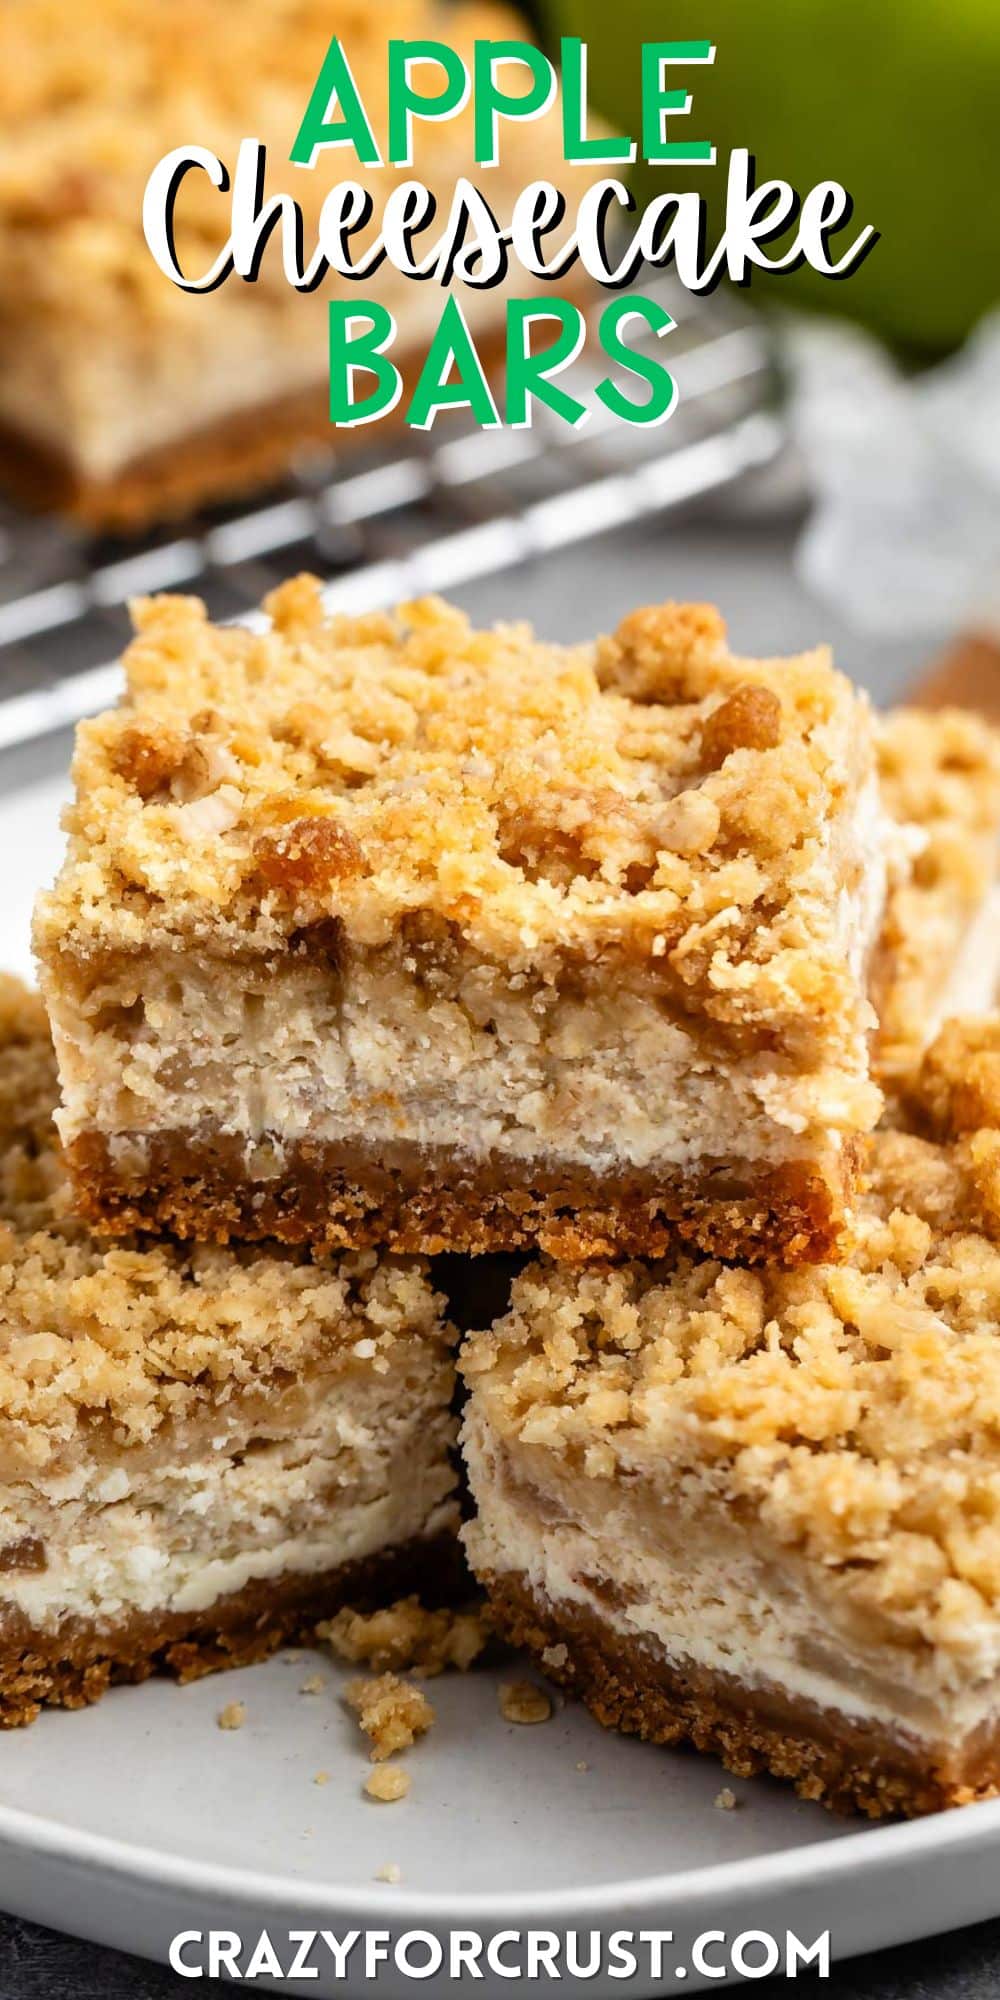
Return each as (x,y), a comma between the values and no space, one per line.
(123,398)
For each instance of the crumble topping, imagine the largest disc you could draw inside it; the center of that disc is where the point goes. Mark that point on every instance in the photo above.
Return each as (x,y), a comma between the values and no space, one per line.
(523,1702)
(653,796)
(854,1408)
(940,773)
(387,1783)
(405,1636)
(143,1333)
(392,1712)
(233,1716)
(957,1088)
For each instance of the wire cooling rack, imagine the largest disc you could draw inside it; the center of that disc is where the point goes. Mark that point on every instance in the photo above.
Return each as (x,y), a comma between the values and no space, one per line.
(430,512)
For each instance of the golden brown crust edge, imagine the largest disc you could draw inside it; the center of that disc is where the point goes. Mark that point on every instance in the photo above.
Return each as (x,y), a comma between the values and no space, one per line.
(76,1666)
(215,465)
(831,1759)
(227,462)
(428,1204)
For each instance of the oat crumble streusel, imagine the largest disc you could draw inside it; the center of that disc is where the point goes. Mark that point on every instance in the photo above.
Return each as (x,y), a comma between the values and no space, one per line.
(392,1713)
(409,1637)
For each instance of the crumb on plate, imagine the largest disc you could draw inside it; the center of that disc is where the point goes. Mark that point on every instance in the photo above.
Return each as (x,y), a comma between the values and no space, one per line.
(390,1711)
(522,1701)
(387,1783)
(407,1636)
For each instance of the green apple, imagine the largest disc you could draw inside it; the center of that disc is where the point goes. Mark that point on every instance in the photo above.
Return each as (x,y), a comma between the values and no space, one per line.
(900,104)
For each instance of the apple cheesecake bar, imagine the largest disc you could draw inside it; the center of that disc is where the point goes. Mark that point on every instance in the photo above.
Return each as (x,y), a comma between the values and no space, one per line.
(760,1510)
(940,948)
(203,1451)
(125,399)
(391,930)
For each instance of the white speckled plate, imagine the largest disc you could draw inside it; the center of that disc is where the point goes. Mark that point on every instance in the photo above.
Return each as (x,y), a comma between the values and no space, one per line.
(140,1818)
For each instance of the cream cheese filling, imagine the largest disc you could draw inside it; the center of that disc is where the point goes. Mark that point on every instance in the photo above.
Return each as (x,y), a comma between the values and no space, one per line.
(608,1082)
(367,1469)
(872,846)
(973,983)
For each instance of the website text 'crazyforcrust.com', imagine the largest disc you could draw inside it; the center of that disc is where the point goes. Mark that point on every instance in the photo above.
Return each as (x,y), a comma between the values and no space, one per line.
(646,1956)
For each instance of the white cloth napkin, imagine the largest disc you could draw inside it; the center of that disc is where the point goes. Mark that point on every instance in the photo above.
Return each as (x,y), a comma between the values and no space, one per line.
(905,476)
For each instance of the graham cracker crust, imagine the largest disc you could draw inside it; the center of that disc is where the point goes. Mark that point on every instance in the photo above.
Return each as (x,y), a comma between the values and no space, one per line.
(242,451)
(847,1764)
(230,458)
(76,1665)
(426,1201)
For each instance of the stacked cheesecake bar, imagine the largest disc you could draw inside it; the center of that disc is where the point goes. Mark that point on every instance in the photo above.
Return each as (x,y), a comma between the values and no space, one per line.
(388,930)
(760,1508)
(755,1504)
(382,937)
(204,1449)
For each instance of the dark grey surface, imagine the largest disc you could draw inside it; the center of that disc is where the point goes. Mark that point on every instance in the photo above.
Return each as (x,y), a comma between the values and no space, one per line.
(745,565)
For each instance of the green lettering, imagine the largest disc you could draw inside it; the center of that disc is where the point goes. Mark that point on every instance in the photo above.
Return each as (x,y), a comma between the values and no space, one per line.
(662,387)
(452,345)
(493,103)
(577,148)
(658,103)
(405,101)
(352,349)
(335,83)
(528,374)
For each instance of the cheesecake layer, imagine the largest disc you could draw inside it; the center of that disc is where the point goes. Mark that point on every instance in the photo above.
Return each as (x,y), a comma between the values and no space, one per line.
(249,431)
(847,1762)
(352,1102)
(602,1076)
(670,1565)
(75,1665)
(972,985)
(940,773)
(299,1481)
